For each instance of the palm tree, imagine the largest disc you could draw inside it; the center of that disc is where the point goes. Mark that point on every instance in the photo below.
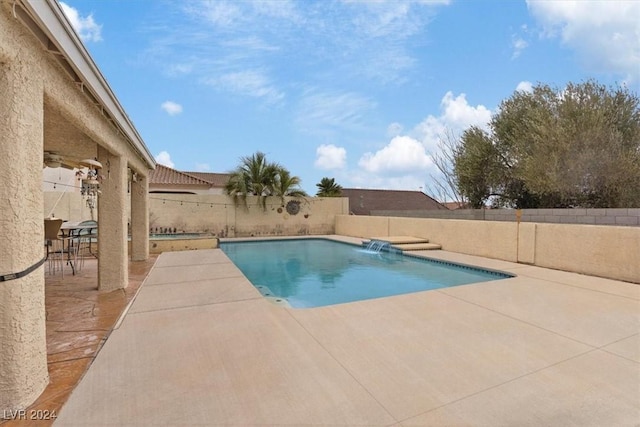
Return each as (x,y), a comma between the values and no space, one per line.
(254,176)
(287,185)
(258,177)
(327,187)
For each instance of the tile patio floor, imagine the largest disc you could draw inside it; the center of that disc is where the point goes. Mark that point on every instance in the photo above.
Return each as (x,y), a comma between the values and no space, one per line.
(200,346)
(79,319)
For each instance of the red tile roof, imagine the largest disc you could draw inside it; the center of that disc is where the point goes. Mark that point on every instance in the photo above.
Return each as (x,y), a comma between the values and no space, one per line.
(362,202)
(163,175)
(215,179)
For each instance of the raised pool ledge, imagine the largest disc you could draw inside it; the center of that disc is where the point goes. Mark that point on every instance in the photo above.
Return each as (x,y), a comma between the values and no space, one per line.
(172,242)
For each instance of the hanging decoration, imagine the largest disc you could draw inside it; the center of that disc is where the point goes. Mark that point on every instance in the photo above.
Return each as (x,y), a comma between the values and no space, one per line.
(91,183)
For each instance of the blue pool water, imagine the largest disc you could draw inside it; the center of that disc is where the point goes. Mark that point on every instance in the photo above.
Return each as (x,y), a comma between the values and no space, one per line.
(319,272)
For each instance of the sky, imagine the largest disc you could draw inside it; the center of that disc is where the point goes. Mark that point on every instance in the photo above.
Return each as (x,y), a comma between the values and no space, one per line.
(358,91)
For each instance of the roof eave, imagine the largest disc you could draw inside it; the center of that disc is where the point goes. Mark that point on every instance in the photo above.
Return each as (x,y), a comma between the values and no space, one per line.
(51,20)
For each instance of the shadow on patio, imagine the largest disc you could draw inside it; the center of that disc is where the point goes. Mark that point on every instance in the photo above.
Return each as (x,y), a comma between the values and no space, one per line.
(79,319)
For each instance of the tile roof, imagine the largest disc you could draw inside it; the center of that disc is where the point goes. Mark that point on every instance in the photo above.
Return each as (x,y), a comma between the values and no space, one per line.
(215,179)
(362,202)
(163,175)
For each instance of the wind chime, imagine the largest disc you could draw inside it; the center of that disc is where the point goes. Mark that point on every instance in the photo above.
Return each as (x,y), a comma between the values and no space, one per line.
(91,183)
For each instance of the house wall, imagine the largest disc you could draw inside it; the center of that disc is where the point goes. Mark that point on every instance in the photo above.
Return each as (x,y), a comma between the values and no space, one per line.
(604,251)
(69,206)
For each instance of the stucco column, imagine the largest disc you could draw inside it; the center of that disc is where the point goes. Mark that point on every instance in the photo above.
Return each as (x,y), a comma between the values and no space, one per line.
(23,346)
(140,219)
(112,223)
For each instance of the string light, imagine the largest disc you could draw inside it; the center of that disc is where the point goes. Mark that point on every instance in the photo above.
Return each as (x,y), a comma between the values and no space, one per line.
(164,200)
(61,184)
(188,202)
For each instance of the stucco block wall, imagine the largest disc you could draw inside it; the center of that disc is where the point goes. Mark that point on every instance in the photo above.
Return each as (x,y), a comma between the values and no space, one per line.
(482,238)
(362,226)
(604,251)
(608,216)
(217,214)
(527,243)
(598,250)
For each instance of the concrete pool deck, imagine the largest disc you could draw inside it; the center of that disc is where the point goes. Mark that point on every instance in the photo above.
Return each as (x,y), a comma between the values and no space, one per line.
(200,345)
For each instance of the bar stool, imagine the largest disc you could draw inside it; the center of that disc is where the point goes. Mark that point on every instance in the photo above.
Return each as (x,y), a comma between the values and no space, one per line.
(55,245)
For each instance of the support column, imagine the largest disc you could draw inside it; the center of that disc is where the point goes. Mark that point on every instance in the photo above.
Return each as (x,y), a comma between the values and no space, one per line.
(113,265)
(23,346)
(140,219)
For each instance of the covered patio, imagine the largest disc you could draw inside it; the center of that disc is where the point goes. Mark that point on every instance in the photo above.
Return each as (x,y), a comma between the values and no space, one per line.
(79,319)
(56,108)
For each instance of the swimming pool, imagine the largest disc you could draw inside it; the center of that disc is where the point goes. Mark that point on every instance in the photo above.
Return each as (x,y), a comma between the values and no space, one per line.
(319,272)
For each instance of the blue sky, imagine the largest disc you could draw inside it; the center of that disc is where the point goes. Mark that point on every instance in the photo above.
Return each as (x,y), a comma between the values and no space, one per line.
(359,91)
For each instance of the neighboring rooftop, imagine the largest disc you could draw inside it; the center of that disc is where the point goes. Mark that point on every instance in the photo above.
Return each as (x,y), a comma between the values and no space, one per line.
(363,202)
(216,179)
(452,206)
(163,175)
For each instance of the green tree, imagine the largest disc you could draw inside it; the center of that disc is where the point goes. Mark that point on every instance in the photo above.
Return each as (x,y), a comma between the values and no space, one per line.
(287,185)
(476,165)
(327,187)
(579,146)
(258,177)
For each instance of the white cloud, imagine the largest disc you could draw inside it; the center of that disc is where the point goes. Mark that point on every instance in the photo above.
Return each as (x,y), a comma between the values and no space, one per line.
(330,157)
(254,83)
(179,69)
(456,116)
(222,43)
(164,158)
(203,167)
(86,27)
(405,163)
(525,86)
(332,110)
(604,34)
(220,13)
(519,45)
(234,15)
(403,155)
(394,129)
(171,108)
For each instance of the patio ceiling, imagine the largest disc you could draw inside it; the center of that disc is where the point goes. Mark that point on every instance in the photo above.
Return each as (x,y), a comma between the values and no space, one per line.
(63,138)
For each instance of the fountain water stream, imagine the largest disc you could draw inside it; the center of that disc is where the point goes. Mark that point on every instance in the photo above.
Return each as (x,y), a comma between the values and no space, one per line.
(376,246)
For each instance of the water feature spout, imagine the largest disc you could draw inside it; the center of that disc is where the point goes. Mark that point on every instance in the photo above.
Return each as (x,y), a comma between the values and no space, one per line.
(377,245)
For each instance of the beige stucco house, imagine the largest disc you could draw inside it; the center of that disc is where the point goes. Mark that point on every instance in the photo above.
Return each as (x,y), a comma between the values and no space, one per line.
(55,100)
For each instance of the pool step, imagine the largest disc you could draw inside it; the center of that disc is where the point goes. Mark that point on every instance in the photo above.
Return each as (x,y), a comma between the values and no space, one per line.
(409,243)
(398,240)
(417,246)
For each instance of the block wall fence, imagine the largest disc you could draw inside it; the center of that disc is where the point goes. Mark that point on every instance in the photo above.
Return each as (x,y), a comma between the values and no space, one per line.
(605,251)
(217,214)
(611,251)
(609,216)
